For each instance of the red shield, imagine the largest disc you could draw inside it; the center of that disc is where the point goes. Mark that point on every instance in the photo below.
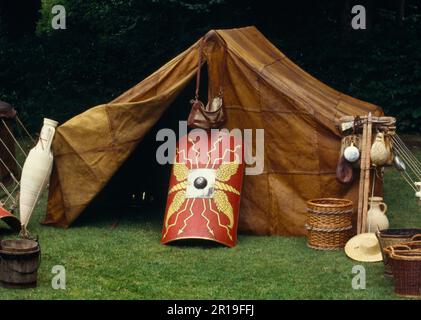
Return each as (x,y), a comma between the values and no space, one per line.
(205,187)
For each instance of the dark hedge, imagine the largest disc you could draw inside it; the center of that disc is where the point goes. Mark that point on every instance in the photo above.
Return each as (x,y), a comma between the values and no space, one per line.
(109,46)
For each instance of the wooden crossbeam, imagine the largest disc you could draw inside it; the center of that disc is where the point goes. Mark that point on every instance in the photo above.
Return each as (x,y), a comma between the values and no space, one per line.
(390,121)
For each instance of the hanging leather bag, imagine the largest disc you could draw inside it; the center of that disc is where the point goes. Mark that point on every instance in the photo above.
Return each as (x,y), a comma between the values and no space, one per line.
(344,171)
(213,114)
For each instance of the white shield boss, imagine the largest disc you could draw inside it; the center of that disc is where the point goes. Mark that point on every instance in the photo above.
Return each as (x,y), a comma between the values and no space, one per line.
(200,183)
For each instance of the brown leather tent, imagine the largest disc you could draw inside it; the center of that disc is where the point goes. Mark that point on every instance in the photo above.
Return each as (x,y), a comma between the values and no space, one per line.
(263,90)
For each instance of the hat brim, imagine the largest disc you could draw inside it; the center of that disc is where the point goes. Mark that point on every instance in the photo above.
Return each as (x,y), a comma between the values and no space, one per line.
(355,251)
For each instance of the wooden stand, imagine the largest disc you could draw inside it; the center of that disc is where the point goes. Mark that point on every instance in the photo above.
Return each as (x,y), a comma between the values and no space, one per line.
(386,124)
(362,176)
(366,175)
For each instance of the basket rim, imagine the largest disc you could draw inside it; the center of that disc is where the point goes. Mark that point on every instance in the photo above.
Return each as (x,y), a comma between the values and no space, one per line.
(405,255)
(390,233)
(407,244)
(340,203)
(410,243)
(405,258)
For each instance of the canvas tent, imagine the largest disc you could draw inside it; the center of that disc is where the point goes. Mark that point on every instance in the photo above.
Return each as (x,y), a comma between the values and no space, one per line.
(263,90)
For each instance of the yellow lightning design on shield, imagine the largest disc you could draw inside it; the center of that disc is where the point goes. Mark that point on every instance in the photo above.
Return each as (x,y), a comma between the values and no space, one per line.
(208,221)
(219,220)
(188,218)
(176,219)
(212,150)
(219,185)
(225,152)
(196,151)
(183,152)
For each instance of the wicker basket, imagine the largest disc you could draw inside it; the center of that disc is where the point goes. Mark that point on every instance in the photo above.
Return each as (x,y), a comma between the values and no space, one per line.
(392,237)
(328,239)
(406,267)
(415,244)
(329,223)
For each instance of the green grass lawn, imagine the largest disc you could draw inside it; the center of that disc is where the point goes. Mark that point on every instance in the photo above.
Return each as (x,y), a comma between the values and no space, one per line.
(128,262)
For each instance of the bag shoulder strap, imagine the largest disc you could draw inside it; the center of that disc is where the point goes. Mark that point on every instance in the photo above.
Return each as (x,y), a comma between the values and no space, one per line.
(222,69)
(199,67)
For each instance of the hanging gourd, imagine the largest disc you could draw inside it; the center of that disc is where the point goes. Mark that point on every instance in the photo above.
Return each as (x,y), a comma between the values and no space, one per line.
(379,153)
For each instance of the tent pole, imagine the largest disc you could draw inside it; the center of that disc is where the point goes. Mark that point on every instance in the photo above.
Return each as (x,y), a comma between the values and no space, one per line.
(362,176)
(367,171)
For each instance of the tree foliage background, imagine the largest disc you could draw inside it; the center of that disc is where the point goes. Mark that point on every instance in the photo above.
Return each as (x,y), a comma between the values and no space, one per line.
(110,45)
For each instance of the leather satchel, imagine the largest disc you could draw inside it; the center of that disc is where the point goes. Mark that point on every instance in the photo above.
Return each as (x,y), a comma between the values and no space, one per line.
(212,115)
(344,171)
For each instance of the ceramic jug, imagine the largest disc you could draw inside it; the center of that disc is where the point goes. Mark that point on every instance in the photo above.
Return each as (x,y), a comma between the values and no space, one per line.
(36,172)
(376,216)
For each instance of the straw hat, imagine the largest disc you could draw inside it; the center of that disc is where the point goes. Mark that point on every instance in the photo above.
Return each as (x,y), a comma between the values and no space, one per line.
(364,247)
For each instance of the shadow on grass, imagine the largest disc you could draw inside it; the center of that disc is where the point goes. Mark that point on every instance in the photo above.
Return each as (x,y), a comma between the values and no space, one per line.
(123,215)
(195,243)
(6,231)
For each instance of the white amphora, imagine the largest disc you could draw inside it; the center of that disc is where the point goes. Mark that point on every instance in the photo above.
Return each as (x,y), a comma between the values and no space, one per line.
(376,216)
(36,172)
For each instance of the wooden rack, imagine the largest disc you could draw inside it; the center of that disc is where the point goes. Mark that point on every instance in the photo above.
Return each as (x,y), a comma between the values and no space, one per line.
(365,125)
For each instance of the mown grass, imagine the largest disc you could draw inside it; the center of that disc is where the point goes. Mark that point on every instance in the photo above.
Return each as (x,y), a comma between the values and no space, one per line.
(126,261)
